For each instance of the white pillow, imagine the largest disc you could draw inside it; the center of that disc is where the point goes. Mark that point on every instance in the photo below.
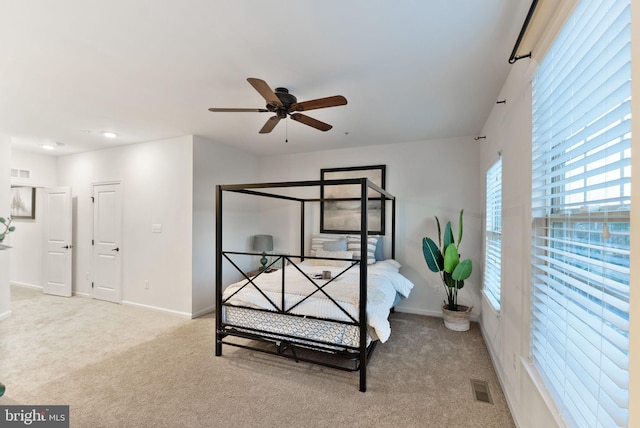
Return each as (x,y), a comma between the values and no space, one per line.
(333,254)
(337,245)
(353,244)
(319,239)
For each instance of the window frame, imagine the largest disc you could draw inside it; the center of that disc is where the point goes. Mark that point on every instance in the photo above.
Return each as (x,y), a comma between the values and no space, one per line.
(580,276)
(492,275)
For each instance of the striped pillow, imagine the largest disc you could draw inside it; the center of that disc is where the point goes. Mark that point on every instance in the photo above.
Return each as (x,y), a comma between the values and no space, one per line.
(318,241)
(353,244)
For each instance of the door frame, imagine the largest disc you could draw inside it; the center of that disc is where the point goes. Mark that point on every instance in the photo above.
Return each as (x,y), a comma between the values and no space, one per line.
(66,289)
(93,225)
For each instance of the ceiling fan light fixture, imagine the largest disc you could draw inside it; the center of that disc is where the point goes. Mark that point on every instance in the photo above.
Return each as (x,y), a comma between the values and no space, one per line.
(109,134)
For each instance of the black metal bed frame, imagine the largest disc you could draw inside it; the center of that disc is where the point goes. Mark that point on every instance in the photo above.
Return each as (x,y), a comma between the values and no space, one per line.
(286,345)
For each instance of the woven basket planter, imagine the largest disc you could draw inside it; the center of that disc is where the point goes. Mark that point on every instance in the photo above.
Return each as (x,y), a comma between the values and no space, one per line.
(457,320)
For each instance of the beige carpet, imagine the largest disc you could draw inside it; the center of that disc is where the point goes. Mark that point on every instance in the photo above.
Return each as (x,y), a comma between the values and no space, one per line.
(119,366)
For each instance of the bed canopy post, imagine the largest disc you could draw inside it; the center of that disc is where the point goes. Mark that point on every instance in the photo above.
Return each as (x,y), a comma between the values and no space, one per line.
(393,228)
(218,269)
(302,229)
(364,235)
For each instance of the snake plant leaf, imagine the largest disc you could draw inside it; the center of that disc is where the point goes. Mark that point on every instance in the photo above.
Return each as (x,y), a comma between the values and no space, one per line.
(448,281)
(451,258)
(439,233)
(447,239)
(432,255)
(460,228)
(462,271)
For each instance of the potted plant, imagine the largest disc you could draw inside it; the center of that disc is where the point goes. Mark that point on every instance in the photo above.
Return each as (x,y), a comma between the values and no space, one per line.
(444,258)
(7,227)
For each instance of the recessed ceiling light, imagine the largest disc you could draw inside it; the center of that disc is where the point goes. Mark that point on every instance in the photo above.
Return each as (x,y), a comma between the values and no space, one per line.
(48,147)
(109,134)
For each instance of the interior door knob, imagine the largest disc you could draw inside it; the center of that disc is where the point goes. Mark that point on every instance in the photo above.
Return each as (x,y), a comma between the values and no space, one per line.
(116,249)
(67,246)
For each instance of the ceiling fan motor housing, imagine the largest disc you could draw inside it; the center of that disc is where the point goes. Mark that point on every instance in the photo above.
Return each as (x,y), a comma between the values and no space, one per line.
(285,98)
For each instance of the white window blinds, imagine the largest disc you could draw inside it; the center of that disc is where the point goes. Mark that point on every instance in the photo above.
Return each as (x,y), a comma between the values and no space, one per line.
(581,201)
(493,235)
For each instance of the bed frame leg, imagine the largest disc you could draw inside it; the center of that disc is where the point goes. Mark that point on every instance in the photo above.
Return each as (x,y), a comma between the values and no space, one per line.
(218,346)
(363,376)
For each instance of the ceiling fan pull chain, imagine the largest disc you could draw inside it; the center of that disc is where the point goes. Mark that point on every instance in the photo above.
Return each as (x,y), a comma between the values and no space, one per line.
(286,130)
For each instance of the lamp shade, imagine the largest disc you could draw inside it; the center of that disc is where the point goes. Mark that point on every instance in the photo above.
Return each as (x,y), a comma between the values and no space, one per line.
(262,243)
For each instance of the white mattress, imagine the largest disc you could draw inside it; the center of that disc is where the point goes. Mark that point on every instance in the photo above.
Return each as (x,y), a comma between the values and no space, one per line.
(329,334)
(384,283)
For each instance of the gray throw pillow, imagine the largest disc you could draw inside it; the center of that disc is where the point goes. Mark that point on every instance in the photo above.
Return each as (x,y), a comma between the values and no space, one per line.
(337,245)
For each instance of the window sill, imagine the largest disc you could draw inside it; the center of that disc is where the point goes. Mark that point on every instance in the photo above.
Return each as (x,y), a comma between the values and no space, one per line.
(490,304)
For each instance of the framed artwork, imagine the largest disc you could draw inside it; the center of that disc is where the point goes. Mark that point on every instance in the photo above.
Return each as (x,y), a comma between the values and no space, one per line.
(23,202)
(342,215)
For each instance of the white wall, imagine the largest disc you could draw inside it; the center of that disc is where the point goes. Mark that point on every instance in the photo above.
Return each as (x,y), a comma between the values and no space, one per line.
(27,251)
(5,186)
(508,130)
(171,182)
(429,178)
(213,164)
(156,182)
(507,334)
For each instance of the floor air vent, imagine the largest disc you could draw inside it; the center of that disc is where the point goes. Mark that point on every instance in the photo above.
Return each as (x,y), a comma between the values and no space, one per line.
(481,392)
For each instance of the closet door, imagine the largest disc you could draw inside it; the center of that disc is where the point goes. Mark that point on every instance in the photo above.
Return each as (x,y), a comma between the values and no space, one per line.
(107,242)
(58,237)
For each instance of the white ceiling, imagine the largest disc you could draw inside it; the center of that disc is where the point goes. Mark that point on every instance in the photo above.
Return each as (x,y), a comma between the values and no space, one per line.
(148,69)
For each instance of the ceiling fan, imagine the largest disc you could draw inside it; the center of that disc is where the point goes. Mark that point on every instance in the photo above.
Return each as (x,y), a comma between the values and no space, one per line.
(282,103)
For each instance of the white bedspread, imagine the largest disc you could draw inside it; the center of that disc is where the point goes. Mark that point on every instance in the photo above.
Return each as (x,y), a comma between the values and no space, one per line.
(384,281)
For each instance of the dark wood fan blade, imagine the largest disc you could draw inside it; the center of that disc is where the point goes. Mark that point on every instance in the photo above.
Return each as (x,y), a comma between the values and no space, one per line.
(314,123)
(336,100)
(236,110)
(271,123)
(263,88)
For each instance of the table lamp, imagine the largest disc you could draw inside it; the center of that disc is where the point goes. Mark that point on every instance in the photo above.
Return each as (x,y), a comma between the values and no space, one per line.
(263,243)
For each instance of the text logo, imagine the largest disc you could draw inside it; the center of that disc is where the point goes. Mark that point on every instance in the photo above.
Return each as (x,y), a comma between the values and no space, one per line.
(34,416)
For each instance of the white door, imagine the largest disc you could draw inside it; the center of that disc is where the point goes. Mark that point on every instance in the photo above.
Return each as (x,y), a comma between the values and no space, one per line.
(107,233)
(58,241)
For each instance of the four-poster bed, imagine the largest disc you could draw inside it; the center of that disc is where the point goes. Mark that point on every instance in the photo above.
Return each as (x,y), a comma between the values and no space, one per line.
(335,298)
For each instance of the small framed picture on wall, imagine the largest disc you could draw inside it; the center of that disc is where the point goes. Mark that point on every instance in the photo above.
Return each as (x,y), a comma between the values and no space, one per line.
(23,203)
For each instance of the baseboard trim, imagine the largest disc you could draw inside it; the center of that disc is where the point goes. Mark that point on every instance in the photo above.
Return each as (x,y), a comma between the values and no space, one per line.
(27,285)
(81,294)
(430,313)
(5,315)
(204,311)
(157,308)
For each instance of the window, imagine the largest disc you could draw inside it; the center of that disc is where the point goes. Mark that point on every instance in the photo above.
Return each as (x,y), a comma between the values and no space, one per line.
(493,235)
(581,201)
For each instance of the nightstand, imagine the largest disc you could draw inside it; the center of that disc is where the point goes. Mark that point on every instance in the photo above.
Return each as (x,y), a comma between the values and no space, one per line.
(253,273)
